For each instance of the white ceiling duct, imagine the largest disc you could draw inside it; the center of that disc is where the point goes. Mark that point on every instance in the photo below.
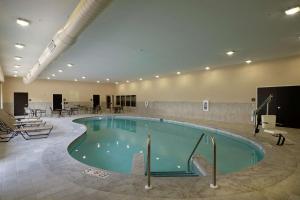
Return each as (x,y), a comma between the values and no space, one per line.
(82,16)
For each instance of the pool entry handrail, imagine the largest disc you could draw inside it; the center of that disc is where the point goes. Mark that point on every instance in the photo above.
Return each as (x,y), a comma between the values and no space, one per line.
(148,186)
(214,172)
(189,160)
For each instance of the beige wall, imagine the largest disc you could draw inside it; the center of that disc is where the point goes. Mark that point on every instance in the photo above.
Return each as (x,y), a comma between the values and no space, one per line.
(229,90)
(235,84)
(42,90)
(1,75)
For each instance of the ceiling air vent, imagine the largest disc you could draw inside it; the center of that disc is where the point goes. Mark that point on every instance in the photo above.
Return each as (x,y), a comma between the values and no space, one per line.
(51,46)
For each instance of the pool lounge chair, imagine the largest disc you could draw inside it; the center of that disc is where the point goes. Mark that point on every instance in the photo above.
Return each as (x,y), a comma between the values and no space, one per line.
(15,120)
(28,133)
(10,130)
(5,135)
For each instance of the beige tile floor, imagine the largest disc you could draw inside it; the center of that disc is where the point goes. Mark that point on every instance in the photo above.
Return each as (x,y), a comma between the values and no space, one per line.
(43,169)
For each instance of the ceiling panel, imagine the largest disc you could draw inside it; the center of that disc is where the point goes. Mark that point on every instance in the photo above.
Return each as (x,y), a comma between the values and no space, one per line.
(134,38)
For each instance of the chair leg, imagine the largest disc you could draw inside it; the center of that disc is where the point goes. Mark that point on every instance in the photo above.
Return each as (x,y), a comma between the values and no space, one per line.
(35,136)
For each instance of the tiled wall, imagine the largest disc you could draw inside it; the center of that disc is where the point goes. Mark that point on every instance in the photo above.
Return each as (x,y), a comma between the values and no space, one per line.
(228,112)
(9,107)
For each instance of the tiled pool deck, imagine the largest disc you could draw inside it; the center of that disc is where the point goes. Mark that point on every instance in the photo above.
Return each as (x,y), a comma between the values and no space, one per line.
(43,169)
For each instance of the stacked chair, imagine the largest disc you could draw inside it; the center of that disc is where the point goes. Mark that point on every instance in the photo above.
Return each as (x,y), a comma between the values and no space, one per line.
(28,128)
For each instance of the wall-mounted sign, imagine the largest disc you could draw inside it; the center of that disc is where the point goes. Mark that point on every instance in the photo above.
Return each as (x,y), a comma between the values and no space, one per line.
(205,105)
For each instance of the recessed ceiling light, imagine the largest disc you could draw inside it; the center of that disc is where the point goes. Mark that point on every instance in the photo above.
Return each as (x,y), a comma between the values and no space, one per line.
(83,77)
(15,75)
(60,71)
(292,11)
(127,81)
(230,53)
(207,68)
(70,65)
(17,66)
(248,61)
(116,83)
(107,79)
(48,78)
(19,46)
(75,79)
(178,73)
(98,81)
(23,22)
(140,79)
(15,71)
(17,58)
(53,75)
(156,76)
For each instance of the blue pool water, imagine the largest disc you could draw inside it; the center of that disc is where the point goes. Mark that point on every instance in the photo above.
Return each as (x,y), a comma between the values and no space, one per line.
(111,142)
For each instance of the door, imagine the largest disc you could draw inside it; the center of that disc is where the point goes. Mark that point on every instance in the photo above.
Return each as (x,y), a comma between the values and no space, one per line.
(285,104)
(108,102)
(20,102)
(96,100)
(57,101)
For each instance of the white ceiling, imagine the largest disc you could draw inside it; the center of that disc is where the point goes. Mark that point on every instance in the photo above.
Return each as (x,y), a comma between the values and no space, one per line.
(134,38)
(46,17)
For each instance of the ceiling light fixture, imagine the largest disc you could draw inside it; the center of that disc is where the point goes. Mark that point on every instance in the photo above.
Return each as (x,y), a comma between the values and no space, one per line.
(107,79)
(127,81)
(292,11)
(207,68)
(156,76)
(83,77)
(248,61)
(15,75)
(230,53)
(48,78)
(17,58)
(70,65)
(53,75)
(98,81)
(178,73)
(60,71)
(19,46)
(140,79)
(17,66)
(75,79)
(116,83)
(23,22)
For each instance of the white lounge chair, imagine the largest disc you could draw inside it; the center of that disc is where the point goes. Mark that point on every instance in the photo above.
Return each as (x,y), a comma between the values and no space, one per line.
(9,130)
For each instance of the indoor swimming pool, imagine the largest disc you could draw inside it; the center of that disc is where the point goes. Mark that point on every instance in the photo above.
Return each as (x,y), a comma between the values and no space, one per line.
(110,143)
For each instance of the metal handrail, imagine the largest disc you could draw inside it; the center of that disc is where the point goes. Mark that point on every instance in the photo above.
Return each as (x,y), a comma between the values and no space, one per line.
(148,186)
(189,160)
(214,175)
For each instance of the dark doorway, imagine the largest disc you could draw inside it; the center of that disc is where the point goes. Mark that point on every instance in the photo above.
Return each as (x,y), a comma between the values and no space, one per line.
(96,100)
(108,102)
(57,101)
(122,101)
(20,102)
(285,104)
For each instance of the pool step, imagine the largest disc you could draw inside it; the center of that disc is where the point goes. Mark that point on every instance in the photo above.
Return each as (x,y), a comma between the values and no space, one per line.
(202,165)
(138,166)
(173,174)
